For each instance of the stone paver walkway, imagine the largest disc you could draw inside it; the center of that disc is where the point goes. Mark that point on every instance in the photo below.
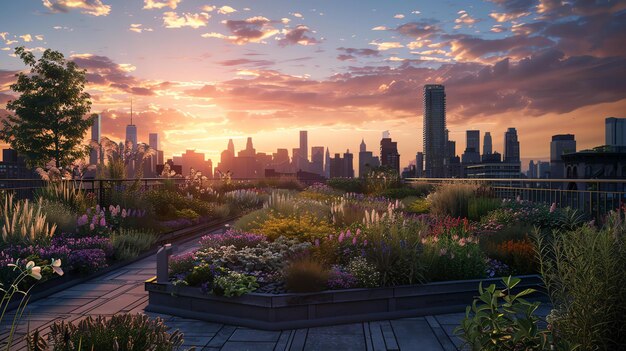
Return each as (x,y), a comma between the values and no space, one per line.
(123,291)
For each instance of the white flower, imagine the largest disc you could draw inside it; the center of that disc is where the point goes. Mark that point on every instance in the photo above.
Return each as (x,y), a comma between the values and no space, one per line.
(56,266)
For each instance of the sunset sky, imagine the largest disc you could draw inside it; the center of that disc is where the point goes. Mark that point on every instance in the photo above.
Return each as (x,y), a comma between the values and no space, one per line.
(201,72)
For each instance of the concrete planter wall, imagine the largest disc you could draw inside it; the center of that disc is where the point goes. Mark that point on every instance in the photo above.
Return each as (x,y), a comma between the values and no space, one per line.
(289,311)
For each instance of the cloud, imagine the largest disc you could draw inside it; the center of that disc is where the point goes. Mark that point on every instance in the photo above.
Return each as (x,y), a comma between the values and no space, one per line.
(254,29)
(224,10)
(89,7)
(3,35)
(39,37)
(498,28)
(297,15)
(137,28)
(353,53)
(386,45)
(156,4)
(246,62)
(398,16)
(298,35)
(464,19)
(472,48)
(419,29)
(194,20)
(379,28)
(514,9)
(26,38)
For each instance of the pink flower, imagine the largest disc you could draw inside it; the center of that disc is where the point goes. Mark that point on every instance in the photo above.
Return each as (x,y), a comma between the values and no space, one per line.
(92,227)
(354,240)
(97,208)
(124,213)
(365,242)
(553,207)
(358,231)
(443,251)
(317,242)
(348,234)
(340,239)
(103,222)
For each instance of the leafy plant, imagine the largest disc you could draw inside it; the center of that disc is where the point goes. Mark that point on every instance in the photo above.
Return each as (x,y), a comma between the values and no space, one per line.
(478,207)
(234,284)
(305,227)
(187,214)
(365,273)
(124,332)
(305,275)
(584,273)
(501,320)
(419,206)
(129,243)
(351,185)
(452,199)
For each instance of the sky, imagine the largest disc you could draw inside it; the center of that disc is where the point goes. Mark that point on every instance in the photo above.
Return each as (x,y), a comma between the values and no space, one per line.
(201,72)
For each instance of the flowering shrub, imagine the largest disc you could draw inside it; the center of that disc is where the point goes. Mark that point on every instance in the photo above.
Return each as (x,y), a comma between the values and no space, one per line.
(231,237)
(180,264)
(245,198)
(234,284)
(88,260)
(365,273)
(452,257)
(102,221)
(519,211)
(339,278)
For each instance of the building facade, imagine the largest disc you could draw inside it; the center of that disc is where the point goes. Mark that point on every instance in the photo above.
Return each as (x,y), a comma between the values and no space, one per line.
(434,142)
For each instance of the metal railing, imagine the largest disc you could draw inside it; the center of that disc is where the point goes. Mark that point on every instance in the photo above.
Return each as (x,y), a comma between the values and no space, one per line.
(595,197)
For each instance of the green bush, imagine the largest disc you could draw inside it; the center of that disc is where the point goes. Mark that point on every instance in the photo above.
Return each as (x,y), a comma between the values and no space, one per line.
(250,221)
(452,199)
(500,320)
(166,203)
(478,207)
(351,185)
(449,258)
(130,243)
(305,275)
(187,214)
(584,273)
(419,206)
(304,228)
(401,193)
(234,284)
(120,332)
(57,213)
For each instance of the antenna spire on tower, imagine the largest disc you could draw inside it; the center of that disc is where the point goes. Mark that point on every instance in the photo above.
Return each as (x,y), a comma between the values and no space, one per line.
(131,111)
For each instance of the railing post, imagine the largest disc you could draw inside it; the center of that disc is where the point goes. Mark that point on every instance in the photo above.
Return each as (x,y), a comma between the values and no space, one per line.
(162,257)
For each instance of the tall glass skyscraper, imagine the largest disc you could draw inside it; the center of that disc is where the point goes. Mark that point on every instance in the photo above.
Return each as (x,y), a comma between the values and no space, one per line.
(487,144)
(434,130)
(511,146)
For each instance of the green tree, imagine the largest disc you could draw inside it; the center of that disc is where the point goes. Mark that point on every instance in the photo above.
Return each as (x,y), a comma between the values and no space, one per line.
(49,120)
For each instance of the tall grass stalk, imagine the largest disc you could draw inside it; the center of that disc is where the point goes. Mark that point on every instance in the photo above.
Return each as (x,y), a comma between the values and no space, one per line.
(24,222)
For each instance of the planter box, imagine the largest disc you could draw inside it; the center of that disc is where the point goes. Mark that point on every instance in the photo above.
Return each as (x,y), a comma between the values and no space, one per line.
(291,311)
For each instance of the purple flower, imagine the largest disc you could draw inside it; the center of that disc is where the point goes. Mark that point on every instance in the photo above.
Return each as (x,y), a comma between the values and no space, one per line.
(103,222)
(232,237)
(340,239)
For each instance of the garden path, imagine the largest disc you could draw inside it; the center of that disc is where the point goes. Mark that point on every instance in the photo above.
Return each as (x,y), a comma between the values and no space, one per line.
(122,291)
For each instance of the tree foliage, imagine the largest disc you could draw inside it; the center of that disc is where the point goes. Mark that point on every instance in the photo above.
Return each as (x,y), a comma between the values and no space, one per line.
(49,120)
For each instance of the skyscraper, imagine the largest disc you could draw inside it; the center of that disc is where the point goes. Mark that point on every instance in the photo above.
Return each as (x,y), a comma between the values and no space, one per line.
(434,130)
(367,160)
(327,164)
(561,144)
(131,129)
(511,146)
(615,131)
(419,164)
(317,160)
(487,144)
(389,155)
(95,136)
(472,150)
(153,141)
(304,145)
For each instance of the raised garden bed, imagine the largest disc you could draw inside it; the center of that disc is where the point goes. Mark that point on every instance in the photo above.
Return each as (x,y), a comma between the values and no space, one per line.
(289,311)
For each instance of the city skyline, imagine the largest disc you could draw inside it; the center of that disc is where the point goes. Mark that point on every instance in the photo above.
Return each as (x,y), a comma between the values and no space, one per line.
(532,66)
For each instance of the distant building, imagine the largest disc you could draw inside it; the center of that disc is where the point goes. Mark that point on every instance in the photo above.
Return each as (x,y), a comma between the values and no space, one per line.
(603,162)
(306,178)
(615,131)
(389,156)
(511,146)
(500,170)
(13,166)
(153,142)
(532,170)
(317,160)
(327,164)
(561,144)
(434,130)
(131,129)
(192,159)
(341,167)
(472,151)
(419,165)
(487,144)
(304,145)
(543,169)
(367,160)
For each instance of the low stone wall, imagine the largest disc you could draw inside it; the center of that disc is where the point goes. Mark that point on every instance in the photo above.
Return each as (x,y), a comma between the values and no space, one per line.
(289,311)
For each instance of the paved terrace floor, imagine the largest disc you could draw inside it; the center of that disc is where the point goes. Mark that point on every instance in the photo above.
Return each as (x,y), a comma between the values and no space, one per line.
(122,291)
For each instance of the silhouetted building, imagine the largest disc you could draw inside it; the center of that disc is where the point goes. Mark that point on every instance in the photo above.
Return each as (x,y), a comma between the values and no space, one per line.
(367,160)
(419,165)
(192,159)
(487,144)
(389,156)
(434,130)
(543,169)
(511,146)
(13,166)
(327,164)
(561,144)
(153,142)
(95,153)
(342,167)
(472,150)
(317,160)
(615,131)
(532,170)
